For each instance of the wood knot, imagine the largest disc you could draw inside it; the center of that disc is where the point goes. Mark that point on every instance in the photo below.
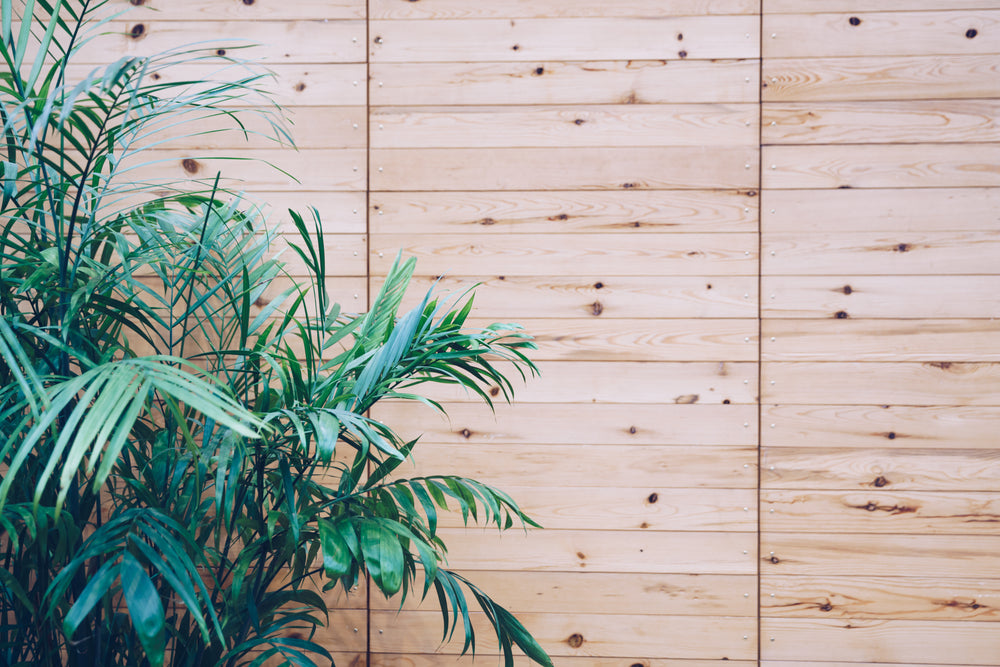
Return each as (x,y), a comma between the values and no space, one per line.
(841,315)
(644,525)
(653,497)
(682,54)
(775,559)
(575,640)
(579,121)
(248,2)
(971,33)
(220,52)
(751,193)
(539,71)
(880,481)
(190,165)
(137,31)
(596,308)
(687,399)
(826,607)
(466,433)
(299,87)
(943,365)
(137,3)
(891,435)
(902,247)
(561,216)
(871,507)
(854,20)
(494,391)
(628,186)
(633,430)
(637,664)
(598,285)
(680,37)
(516,47)
(261,302)
(155,76)
(726,401)
(708,286)
(847,289)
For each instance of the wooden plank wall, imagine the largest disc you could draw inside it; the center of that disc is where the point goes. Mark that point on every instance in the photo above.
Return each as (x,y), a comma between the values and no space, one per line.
(880,255)
(634,183)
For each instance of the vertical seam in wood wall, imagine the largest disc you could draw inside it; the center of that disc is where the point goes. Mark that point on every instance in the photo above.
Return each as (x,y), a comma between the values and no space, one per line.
(368,266)
(760,307)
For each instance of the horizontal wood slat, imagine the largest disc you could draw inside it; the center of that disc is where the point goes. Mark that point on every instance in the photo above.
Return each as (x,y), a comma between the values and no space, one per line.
(871,33)
(641,168)
(557,82)
(909,121)
(822,6)
(910,598)
(459,9)
(530,39)
(271,10)
(881,78)
(880,641)
(966,470)
(564,212)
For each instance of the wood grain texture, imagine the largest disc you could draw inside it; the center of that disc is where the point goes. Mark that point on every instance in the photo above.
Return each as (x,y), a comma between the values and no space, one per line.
(619,297)
(880,426)
(611,593)
(459,9)
(881,641)
(629,508)
(557,82)
(493,40)
(830,468)
(878,383)
(878,253)
(898,33)
(940,556)
(633,168)
(682,383)
(881,78)
(643,340)
(340,212)
(255,10)
(341,41)
(591,125)
(564,212)
(878,122)
(582,635)
(888,597)
(881,166)
(560,255)
(886,210)
(883,512)
(880,340)
(410,660)
(893,297)
(602,551)
(576,424)
(593,466)
(822,6)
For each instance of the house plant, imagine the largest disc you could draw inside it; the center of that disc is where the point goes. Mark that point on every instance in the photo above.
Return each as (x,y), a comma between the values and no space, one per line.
(187,459)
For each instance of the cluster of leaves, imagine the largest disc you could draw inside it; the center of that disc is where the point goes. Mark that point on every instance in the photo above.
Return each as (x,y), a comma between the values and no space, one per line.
(188,459)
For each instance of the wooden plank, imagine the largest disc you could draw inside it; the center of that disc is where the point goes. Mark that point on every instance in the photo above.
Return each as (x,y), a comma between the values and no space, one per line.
(640,168)
(565,212)
(891,297)
(597,296)
(611,593)
(911,598)
(555,82)
(340,212)
(558,507)
(493,40)
(878,253)
(410,660)
(643,340)
(878,383)
(627,382)
(881,78)
(591,125)
(312,127)
(879,555)
(880,426)
(256,169)
(915,512)
(871,33)
(965,470)
(581,635)
(819,6)
(907,121)
(248,10)
(274,41)
(459,9)
(881,166)
(620,254)
(880,641)
(602,551)
(575,424)
(898,211)
(592,466)
(880,340)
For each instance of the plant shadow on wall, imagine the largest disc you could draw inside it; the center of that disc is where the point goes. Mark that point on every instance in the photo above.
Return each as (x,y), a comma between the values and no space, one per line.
(187,472)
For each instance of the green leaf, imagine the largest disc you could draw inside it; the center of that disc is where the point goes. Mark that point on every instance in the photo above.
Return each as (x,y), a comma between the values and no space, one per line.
(97,586)
(144,608)
(340,547)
